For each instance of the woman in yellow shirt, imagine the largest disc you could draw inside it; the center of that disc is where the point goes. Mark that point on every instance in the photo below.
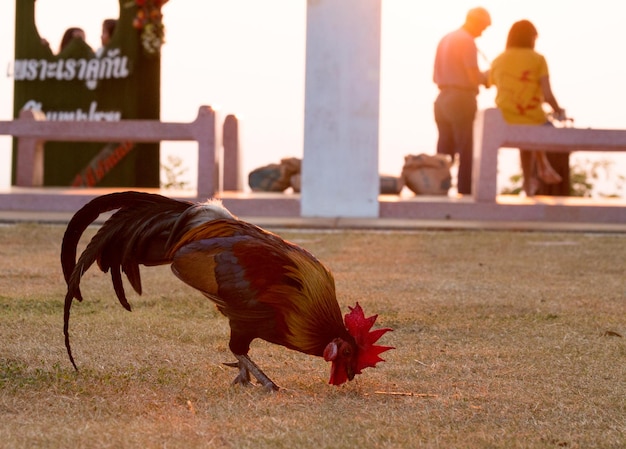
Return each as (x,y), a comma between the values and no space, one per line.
(521,76)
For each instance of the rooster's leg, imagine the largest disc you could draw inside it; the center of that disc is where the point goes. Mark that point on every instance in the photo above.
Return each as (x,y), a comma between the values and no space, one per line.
(246,367)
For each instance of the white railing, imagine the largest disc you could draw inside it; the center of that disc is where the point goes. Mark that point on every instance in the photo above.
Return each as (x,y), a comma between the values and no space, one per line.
(32,130)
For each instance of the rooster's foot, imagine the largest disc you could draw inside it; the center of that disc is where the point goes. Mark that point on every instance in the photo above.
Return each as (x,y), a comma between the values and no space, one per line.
(246,367)
(243,378)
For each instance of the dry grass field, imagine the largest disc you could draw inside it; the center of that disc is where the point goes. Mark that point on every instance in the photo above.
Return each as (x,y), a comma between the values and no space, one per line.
(503,340)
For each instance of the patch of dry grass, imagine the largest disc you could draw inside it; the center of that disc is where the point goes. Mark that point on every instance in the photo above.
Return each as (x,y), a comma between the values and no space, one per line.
(504,339)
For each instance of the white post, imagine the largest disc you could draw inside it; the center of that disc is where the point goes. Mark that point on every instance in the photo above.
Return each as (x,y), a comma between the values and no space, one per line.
(209,156)
(340,163)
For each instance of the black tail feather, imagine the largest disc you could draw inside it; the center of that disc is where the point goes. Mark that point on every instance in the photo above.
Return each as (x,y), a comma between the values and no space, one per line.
(118,286)
(66,327)
(110,246)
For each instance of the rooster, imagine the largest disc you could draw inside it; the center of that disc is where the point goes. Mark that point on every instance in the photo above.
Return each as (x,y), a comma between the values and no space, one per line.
(267,287)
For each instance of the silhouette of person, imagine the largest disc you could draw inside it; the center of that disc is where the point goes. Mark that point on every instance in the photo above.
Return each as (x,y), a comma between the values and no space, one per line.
(108,28)
(458,77)
(69,35)
(521,76)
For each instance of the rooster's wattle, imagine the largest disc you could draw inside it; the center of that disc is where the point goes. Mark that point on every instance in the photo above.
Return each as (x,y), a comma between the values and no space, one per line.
(267,287)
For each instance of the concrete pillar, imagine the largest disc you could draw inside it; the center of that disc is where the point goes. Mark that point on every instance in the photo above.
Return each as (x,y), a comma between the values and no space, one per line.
(340,163)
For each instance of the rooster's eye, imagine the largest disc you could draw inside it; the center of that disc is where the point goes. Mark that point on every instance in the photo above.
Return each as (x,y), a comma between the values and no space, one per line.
(347,352)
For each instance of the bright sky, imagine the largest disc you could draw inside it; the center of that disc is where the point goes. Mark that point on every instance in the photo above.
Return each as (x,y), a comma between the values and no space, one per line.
(247,57)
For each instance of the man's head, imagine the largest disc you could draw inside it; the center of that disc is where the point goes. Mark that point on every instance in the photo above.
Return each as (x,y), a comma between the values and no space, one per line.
(476,21)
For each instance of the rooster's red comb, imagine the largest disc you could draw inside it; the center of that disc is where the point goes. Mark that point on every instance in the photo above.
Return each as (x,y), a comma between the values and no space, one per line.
(359,327)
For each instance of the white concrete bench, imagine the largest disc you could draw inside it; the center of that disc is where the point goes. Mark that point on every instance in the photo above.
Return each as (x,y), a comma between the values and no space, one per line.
(491,133)
(32,130)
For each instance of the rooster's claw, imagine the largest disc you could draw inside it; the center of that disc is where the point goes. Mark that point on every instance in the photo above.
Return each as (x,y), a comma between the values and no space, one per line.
(246,367)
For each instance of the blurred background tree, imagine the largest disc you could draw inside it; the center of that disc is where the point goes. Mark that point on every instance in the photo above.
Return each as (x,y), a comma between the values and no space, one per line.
(173,173)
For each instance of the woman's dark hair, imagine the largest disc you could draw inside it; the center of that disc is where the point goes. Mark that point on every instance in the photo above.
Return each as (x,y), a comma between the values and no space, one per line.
(109,25)
(69,34)
(522,35)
